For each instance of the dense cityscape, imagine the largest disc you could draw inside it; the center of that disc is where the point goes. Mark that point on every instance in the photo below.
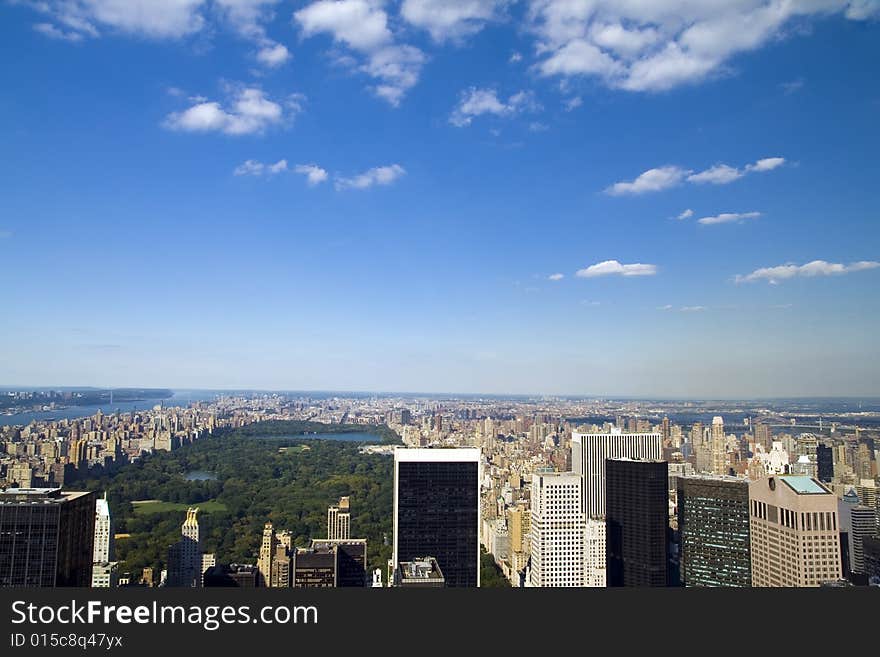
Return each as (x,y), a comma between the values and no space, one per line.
(487,491)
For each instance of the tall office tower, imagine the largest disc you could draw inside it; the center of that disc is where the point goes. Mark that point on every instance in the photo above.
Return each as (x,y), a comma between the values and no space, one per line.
(102,569)
(185,556)
(46,537)
(719,447)
(794,532)
(871,554)
(437,510)
(637,519)
(696,436)
(665,432)
(825,463)
(558,528)
(857,522)
(339,520)
(713,520)
(103,532)
(267,553)
(589,452)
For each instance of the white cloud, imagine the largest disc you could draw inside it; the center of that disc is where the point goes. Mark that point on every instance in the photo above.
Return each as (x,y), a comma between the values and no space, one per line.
(654,45)
(692,309)
(450,19)
(362,25)
(314,174)
(668,306)
(728,217)
(273,55)
(537,126)
(792,86)
(652,180)
(613,267)
(255,168)
(811,269)
(515,57)
(555,277)
(384,175)
(720,174)
(766,164)
(655,180)
(248,112)
(156,19)
(686,214)
(475,102)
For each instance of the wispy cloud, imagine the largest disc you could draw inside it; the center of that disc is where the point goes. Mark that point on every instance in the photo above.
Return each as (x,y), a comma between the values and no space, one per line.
(555,277)
(728,217)
(384,175)
(474,102)
(615,268)
(793,86)
(255,168)
(693,309)
(686,214)
(449,20)
(314,174)
(811,269)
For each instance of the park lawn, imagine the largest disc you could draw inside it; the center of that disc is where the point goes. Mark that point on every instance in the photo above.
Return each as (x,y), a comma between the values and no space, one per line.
(148,507)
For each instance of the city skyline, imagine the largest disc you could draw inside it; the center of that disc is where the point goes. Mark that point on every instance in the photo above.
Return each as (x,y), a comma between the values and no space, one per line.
(669,201)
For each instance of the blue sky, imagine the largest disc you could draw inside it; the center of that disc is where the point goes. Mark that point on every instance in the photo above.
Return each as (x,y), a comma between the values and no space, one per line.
(361,195)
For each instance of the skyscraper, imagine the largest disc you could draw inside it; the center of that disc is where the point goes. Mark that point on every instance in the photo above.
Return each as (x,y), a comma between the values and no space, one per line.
(339,520)
(825,463)
(713,521)
(46,537)
(637,512)
(794,532)
(102,569)
(185,556)
(718,446)
(103,532)
(558,526)
(589,452)
(436,510)
(857,522)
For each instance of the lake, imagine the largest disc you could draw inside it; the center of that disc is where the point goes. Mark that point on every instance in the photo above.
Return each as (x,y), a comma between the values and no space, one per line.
(199,475)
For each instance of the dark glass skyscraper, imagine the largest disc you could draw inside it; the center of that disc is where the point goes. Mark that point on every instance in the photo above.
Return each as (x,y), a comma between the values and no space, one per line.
(637,518)
(436,511)
(46,537)
(824,463)
(713,521)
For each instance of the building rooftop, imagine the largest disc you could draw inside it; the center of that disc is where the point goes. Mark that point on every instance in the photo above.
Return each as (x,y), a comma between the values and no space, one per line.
(803,485)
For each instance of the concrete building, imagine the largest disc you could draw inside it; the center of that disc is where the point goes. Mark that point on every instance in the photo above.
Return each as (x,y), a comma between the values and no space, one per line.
(339,520)
(589,452)
(794,532)
(558,526)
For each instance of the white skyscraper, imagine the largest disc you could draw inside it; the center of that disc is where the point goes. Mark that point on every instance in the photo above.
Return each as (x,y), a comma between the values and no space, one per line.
(103,532)
(595,554)
(588,454)
(558,528)
(339,520)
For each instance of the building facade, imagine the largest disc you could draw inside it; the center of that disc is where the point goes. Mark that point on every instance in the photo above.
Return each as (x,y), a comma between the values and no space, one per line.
(637,520)
(558,526)
(46,537)
(713,523)
(589,451)
(794,532)
(437,510)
